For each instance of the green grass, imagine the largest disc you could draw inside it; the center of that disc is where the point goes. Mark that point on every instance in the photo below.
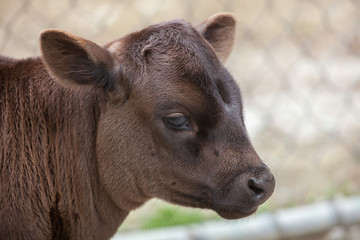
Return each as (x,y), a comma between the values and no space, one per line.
(168,215)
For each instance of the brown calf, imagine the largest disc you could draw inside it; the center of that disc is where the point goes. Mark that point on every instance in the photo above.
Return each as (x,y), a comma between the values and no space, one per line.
(89,133)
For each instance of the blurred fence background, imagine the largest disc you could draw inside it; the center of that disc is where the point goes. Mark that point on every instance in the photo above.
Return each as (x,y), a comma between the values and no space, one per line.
(297,63)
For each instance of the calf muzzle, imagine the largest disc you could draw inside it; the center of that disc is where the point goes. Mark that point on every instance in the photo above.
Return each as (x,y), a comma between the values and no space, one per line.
(245,193)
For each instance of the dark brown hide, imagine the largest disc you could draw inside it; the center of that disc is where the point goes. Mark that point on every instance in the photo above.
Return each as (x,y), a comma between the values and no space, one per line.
(89,133)
(49,185)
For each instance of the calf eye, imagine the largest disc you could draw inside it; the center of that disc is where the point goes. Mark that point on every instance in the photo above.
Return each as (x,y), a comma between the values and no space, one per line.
(177,121)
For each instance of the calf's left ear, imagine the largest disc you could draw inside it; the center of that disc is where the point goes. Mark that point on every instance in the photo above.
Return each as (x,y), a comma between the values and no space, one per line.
(75,61)
(219,31)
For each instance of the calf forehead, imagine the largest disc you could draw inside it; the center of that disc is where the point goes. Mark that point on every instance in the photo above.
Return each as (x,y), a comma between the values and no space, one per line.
(178,65)
(177,52)
(175,43)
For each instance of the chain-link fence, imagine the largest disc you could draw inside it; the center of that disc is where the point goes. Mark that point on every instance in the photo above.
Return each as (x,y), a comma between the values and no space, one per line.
(297,63)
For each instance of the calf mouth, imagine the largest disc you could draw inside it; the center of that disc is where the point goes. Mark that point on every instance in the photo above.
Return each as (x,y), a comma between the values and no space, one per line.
(232,213)
(205,201)
(227,212)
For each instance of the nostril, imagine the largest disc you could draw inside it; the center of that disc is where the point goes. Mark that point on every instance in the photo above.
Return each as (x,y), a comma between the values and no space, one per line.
(255,188)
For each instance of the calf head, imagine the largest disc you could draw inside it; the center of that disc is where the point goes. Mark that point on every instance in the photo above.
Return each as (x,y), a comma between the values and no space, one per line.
(171,125)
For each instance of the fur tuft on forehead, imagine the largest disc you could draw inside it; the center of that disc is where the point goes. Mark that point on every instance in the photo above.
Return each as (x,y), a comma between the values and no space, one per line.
(174,42)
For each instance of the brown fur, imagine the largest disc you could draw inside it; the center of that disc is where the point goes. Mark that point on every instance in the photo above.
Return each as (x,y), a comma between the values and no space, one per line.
(84,138)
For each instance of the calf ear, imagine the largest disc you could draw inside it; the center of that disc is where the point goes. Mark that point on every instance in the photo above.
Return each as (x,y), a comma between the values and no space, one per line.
(219,31)
(76,61)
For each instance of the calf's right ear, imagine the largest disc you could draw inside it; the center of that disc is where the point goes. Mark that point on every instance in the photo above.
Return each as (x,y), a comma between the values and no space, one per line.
(75,61)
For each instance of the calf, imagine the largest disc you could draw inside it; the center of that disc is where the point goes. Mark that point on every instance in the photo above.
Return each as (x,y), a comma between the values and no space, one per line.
(89,133)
